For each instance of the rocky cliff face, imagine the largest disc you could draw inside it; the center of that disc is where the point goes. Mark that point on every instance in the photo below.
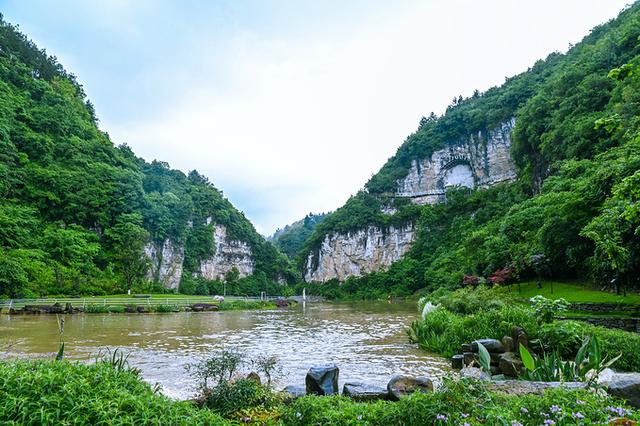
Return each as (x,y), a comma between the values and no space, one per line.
(478,161)
(229,254)
(368,250)
(167,259)
(166,263)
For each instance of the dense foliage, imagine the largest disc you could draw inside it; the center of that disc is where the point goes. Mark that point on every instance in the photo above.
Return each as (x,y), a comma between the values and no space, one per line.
(75,210)
(48,393)
(291,238)
(71,393)
(466,315)
(574,210)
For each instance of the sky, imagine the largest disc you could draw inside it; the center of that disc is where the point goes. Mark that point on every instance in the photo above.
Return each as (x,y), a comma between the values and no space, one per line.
(290,106)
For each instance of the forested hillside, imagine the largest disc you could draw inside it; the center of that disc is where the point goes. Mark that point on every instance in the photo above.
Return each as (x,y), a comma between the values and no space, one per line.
(291,238)
(574,209)
(76,211)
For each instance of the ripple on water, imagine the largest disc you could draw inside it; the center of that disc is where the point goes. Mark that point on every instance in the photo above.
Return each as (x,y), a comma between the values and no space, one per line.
(367,341)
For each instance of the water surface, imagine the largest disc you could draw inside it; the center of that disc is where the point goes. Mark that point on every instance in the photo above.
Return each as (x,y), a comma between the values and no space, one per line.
(366,340)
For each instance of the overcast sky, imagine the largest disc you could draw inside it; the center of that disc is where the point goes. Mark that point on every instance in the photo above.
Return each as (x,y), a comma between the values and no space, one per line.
(290,106)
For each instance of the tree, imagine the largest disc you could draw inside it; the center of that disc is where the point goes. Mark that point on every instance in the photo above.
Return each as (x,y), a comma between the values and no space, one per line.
(127,238)
(231,279)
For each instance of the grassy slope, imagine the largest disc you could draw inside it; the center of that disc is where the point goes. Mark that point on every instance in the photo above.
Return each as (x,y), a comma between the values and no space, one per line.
(572,292)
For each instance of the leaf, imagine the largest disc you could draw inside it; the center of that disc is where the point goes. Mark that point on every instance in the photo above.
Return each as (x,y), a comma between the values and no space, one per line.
(485,358)
(60,354)
(582,352)
(527,359)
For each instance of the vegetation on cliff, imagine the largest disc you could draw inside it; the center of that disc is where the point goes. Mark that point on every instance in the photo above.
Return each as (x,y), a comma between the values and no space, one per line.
(573,211)
(75,210)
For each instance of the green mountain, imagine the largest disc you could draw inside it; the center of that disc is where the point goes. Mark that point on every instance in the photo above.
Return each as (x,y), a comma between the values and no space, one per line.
(290,239)
(538,176)
(79,215)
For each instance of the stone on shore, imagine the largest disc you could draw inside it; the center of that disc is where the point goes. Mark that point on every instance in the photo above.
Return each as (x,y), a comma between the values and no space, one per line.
(400,386)
(322,380)
(492,345)
(363,392)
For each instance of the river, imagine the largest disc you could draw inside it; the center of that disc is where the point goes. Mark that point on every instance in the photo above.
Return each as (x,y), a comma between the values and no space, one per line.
(366,340)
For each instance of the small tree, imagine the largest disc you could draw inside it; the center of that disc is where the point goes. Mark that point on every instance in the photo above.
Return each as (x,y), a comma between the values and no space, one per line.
(127,238)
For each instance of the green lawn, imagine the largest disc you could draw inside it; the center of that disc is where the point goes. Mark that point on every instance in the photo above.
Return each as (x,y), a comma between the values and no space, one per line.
(572,292)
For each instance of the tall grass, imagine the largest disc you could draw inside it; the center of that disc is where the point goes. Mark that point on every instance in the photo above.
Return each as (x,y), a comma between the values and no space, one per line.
(65,393)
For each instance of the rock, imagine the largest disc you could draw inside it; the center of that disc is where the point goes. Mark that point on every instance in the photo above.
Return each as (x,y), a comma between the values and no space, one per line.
(293,391)
(282,303)
(457,362)
(470,358)
(466,347)
(68,309)
(363,392)
(56,308)
(495,370)
(510,365)
(400,385)
(520,337)
(622,385)
(322,380)
(492,345)
(200,307)
(474,373)
(524,387)
(130,309)
(507,342)
(142,309)
(254,377)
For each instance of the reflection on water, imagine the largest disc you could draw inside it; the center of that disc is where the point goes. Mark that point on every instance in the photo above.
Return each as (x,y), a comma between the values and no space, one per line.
(366,340)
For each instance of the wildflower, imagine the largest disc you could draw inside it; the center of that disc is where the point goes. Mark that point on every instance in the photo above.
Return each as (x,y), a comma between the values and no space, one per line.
(555,409)
(441,417)
(298,414)
(515,423)
(580,402)
(360,417)
(621,412)
(465,424)
(464,415)
(549,422)
(577,416)
(523,410)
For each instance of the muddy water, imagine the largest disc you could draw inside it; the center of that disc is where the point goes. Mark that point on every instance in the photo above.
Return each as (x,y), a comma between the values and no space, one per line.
(366,340)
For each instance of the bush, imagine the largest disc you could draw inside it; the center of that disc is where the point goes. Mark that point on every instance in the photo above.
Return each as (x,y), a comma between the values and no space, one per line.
(230,397)
(165,308)
(47,392)
(443,331)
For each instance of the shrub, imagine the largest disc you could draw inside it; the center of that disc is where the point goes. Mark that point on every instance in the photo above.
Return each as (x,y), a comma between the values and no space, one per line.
(228,397)
(80,394)
(546,309)
(165,308)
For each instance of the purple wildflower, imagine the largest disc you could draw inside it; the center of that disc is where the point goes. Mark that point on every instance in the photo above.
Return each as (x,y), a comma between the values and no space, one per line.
(523,410)
(618,411)
(549,422)
(464,415)
(577,416)
(515,423)
(555,409)
(441,417)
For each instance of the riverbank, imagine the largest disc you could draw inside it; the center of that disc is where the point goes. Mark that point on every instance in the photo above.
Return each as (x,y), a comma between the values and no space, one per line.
(137,305)
(71,393)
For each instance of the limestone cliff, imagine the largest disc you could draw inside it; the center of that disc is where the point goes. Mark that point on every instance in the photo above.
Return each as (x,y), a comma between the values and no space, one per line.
(477,161)
(229,254)
(368,250)
(167,259)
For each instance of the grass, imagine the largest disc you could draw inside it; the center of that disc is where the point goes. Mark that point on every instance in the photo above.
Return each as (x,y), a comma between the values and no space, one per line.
(65,393)
(572,292)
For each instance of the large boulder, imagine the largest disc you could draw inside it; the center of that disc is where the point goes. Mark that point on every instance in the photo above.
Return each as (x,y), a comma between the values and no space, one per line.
(622,385)
(520,337)
(363,392)
(400,386)
(322,380)
(492,345)
(510,365)
(457,362)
